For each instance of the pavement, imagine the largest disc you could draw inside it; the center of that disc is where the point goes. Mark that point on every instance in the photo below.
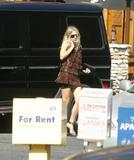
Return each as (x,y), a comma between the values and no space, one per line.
(9,151)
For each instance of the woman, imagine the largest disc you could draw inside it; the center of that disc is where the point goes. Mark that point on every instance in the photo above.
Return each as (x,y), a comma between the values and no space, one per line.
(68,77)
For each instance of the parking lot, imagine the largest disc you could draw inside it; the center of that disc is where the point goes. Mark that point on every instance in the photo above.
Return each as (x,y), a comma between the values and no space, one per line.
(17,152)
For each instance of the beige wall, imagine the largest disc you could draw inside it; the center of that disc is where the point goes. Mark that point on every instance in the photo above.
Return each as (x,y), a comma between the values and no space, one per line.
(117,18)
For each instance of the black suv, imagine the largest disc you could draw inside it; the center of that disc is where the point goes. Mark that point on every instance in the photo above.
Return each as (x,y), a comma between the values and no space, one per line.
(30,39)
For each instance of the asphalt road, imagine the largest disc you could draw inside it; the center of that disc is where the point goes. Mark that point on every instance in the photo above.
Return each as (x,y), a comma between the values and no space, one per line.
(8,151)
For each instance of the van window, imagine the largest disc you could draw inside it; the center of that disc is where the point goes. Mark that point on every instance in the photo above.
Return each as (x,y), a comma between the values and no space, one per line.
(89,28)
(44,30)
(9,31)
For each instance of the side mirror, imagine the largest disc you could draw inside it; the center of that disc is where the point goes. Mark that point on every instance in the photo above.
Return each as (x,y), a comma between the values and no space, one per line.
(125,85)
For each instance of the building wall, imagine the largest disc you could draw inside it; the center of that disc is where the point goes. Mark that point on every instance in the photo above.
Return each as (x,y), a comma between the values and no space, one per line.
(116,18)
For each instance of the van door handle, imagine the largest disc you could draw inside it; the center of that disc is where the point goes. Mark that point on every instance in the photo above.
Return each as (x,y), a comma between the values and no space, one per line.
(12,67)
(20,67)
(43,67)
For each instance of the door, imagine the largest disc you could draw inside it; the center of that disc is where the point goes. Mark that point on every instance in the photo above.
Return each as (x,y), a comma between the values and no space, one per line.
(13,60)
(45,40)
(95,46)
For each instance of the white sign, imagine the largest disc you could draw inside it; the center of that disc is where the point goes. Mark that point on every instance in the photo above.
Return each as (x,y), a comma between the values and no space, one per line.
(38,121)
(94,110)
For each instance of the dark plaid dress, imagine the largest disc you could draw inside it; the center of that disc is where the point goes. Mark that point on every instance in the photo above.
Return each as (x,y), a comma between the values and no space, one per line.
(69,69)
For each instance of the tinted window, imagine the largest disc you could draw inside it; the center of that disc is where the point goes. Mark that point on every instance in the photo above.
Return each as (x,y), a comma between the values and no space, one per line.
(9,31)
(44,30)
(89,28)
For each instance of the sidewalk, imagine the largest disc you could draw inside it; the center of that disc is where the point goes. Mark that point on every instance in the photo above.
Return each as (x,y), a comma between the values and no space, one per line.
(8,151)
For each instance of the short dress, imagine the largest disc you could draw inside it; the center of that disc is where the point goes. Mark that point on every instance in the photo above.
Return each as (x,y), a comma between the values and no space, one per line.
(69,69)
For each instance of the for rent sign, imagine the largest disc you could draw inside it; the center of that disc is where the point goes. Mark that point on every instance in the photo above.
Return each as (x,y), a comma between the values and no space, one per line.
(94,110)
(38,121)
(125,125)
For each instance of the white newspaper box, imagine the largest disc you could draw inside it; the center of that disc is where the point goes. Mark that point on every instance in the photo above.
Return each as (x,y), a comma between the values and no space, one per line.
(39,121)
(94,111)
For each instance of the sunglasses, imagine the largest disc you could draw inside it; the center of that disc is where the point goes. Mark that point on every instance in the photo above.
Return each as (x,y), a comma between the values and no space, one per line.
(74,35)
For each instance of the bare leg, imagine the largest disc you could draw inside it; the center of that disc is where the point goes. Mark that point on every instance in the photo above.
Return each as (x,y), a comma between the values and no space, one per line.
(66,95)
(74,112)
(76,104)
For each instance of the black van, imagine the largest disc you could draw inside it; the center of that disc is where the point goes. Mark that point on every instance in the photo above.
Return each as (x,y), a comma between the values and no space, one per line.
(30,39)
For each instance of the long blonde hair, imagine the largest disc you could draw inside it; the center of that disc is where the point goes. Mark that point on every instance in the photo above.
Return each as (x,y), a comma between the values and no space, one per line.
(68,32)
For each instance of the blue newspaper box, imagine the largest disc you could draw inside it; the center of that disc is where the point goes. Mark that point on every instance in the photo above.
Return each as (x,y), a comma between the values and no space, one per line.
(125,125)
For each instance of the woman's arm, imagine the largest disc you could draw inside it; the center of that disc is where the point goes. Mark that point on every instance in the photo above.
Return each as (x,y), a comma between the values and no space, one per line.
(66,48)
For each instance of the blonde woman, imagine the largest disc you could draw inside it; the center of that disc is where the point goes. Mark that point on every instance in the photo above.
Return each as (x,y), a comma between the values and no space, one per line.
(68,77)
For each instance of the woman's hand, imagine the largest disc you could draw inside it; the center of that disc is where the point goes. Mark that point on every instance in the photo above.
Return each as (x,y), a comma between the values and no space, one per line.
(87,71)
(70,44)
(66,48)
